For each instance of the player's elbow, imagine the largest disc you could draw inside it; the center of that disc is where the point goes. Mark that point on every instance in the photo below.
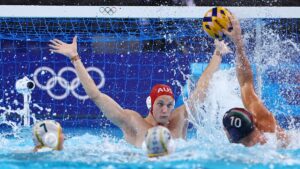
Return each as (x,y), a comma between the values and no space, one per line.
(269,123)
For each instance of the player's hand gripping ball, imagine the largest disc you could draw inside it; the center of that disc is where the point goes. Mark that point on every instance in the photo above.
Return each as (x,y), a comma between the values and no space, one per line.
(215,20)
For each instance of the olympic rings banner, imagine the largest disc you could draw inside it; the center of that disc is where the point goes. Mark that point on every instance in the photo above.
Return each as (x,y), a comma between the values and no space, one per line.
(58,93)
(127,77)
(58,79)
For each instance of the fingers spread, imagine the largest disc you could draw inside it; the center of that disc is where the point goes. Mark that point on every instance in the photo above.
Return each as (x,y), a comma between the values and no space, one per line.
(59,41)
(54,42)
(53,51)
(54,47)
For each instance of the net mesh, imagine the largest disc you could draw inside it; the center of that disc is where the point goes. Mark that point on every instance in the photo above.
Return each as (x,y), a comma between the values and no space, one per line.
(134,55)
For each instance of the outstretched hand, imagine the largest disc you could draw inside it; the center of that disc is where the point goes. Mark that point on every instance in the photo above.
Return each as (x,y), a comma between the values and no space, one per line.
(69,50)
(222,47)
(235,34)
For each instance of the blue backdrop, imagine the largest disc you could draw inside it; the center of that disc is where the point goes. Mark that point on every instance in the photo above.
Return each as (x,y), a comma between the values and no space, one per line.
(133,56)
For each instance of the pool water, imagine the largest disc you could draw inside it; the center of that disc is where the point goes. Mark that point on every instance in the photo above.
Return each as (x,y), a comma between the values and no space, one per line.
(206,146)
(94,148)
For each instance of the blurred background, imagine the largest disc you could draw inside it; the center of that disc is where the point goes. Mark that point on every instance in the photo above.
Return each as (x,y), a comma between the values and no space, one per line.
(154,2)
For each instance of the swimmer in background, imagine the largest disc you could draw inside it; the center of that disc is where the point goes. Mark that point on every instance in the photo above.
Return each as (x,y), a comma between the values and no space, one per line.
(47,134)
(160,102)
(247,126)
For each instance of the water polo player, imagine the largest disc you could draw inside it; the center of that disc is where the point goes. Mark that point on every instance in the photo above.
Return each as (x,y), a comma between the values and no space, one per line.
(160,102)
(247,126)
(47,134)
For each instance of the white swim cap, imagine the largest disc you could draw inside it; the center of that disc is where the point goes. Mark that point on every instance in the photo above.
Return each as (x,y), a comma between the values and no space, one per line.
(46,134)
(158,142)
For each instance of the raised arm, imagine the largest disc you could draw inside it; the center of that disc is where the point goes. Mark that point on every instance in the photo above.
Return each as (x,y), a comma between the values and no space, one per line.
(111,109)
(199,93)
(263,118)
(243,68)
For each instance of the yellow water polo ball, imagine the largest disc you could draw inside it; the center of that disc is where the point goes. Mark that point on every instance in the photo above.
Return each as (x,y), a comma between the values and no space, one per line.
(215,20)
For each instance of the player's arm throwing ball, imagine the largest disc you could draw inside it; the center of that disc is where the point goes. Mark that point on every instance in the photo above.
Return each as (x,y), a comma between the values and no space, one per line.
(247,126)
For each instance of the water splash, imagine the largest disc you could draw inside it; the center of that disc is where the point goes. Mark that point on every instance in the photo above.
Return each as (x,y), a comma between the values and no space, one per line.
(276,60)
(222,94)
(273,54)
(24,86)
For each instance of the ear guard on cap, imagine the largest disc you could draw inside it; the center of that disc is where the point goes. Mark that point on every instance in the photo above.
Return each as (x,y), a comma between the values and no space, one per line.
(148,102)
(50,140)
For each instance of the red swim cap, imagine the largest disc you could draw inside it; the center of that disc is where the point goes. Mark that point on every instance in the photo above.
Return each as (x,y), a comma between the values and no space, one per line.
(159,90)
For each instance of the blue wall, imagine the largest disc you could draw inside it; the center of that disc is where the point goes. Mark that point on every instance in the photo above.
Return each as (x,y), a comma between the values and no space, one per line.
(156,51)
(128,79)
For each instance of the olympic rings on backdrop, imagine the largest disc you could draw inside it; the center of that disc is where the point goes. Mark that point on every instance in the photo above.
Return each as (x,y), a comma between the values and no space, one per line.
(58,79)
(108,10)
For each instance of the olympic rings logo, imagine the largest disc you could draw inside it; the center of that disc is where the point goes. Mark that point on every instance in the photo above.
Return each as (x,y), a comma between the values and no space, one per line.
(108,10)
(58,79)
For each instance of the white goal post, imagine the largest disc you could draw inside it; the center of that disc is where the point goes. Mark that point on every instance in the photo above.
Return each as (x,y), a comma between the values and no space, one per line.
(141,11)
